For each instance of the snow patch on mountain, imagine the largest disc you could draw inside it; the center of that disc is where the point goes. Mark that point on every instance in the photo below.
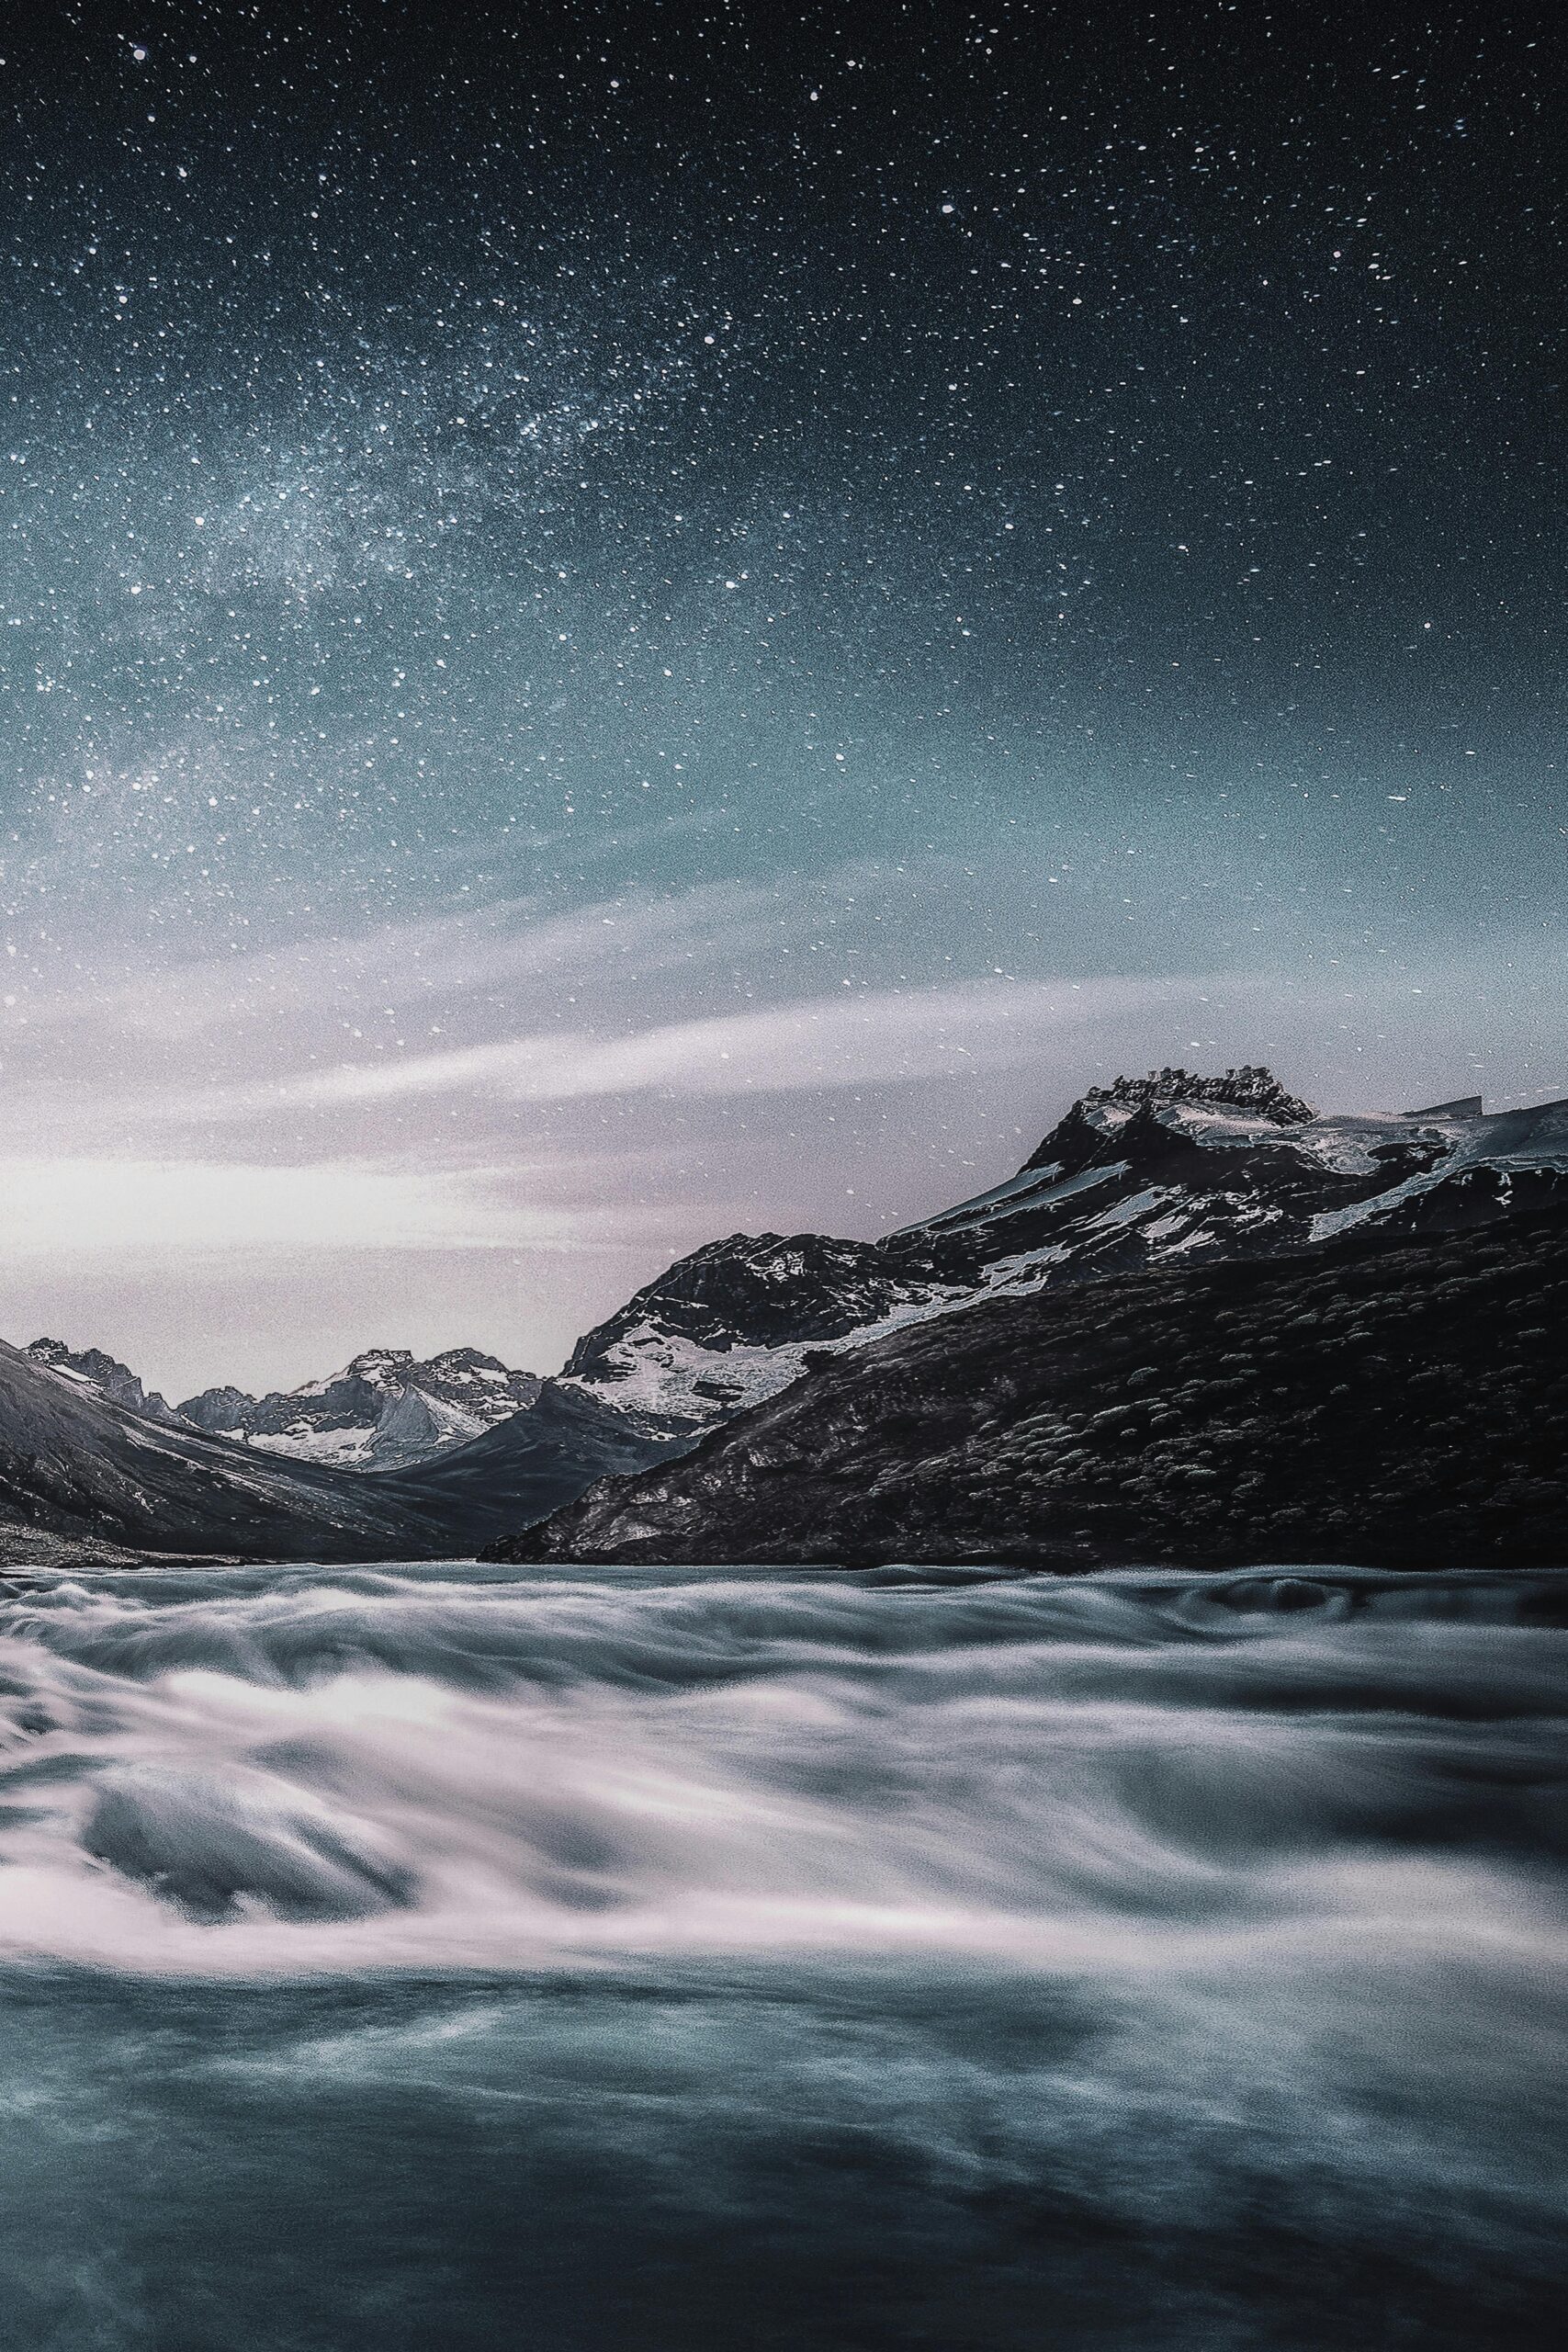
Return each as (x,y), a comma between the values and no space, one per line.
(385,1410)
(98,1375)
(1171,1168)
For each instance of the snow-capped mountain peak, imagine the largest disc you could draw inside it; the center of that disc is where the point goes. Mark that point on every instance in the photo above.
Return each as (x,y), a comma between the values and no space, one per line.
(1171,1167)
(385,1410)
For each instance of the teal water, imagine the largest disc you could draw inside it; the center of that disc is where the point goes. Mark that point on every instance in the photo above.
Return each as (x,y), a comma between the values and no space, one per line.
(488,1959)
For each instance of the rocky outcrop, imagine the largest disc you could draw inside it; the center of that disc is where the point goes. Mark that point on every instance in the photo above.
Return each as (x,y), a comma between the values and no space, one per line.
(1251,1090)
(101,1375)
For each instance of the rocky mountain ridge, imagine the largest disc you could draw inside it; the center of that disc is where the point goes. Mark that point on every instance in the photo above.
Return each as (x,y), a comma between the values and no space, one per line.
(1169,1168)
(100,1375)
(1394,1397)
(385,1411)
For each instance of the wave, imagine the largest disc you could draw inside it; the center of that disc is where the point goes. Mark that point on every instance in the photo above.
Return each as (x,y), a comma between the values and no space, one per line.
(298,1771)
(869,1959)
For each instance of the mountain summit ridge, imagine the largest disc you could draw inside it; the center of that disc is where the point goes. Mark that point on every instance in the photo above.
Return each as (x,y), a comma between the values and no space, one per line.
(386,1409)
(1250,1087)
(1169,1167)
(101,1375)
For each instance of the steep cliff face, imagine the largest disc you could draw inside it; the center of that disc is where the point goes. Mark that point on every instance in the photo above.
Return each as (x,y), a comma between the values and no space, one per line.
(1389,1397)
(100,1375)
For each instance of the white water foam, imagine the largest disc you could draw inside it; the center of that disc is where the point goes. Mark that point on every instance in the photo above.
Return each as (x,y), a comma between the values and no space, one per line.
(316,1772)
(743,1958)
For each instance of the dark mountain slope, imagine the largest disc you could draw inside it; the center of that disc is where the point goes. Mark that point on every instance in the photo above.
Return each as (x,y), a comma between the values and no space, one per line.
(1397,1399)
(74,1464)
(534,1463)
(1168,1169)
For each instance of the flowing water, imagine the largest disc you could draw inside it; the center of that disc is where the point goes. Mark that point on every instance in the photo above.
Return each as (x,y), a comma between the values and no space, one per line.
(492,1958)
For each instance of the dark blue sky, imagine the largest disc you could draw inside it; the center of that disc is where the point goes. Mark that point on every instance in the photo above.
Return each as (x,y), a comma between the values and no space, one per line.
(620,622)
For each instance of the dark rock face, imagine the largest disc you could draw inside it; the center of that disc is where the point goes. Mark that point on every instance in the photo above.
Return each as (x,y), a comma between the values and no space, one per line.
(764,1287)
(219,1411)
(1393,1400)
(102,1376)
(682,1351)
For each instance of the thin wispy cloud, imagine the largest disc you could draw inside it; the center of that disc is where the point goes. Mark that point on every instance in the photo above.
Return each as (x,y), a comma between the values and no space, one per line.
(180,1206)
(458,952)
(869,1038)
(579,1093)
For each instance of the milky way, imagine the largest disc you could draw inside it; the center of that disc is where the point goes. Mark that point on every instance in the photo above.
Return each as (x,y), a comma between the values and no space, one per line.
(520,533)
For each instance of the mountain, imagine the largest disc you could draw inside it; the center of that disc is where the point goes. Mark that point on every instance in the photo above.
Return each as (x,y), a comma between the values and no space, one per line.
(734,1321)
(384,1410)
(1170,1168)
(78,1466)
(527,1465)
(81,1473)
(1394,1396)
(100,1375)
(1170,1182)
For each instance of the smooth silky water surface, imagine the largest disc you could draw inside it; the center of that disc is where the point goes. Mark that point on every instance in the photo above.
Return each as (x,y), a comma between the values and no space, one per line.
(472,1959)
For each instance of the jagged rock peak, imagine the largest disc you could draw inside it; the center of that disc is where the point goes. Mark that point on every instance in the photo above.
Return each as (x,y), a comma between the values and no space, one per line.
(1250,1088)
(385,1407)
(102,1374)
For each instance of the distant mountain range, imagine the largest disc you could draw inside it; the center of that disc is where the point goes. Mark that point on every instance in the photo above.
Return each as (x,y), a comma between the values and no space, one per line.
(381,1412)
(384,1411)
(81,1475)
(1165,1181)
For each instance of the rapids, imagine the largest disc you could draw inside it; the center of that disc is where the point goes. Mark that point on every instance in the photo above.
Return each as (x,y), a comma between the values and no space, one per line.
(484,1958)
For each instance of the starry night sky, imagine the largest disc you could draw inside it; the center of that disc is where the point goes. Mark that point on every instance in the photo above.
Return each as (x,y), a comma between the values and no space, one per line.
(617,624)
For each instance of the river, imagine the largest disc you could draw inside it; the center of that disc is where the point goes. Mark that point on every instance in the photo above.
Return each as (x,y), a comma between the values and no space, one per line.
(471,1958)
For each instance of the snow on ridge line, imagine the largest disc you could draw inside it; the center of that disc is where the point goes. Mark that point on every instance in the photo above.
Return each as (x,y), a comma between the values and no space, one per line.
(680,1380)
(1035,1186)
